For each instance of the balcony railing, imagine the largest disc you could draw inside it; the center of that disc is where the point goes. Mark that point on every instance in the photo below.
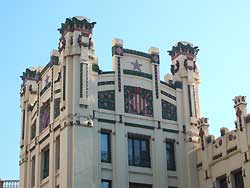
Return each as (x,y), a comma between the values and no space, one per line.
(9,183)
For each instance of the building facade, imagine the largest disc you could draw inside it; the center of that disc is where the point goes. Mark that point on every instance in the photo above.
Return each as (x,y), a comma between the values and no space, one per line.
(125,128)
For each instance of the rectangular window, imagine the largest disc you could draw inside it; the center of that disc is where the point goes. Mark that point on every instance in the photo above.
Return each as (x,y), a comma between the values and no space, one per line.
(33,130)
(56,107)
(105,146)
(33,171)
(139,185)
(170,152)
(45,115)
(57,153)
(222,182)
(238,179)
(45,163)
(138,151)
(23,124)
(106,184)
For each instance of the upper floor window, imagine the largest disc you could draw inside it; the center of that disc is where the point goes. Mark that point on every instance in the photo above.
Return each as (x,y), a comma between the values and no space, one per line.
(139,185)
(45,163)
(33,171)
(106,184)
(222,182)
(238,181)
(105,146)
(45,115)
(33,130)
(57,153)
(138,150)
(170,152)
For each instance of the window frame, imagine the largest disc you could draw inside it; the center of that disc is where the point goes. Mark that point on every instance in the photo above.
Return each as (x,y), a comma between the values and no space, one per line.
(33,171)
(141,185)
(171,165)
(234,175)
(137,137)
(108,181)
(45,162)
(108,134)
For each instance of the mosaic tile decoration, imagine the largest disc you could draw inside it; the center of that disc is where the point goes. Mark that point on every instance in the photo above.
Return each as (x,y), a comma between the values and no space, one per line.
(138,101)
(169,111)
(106,99)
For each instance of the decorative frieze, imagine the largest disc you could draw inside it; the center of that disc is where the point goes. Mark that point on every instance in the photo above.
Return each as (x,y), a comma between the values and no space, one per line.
(106,100)
(138,101)
(168,95)
(137,73)
(169,111)
(106,83)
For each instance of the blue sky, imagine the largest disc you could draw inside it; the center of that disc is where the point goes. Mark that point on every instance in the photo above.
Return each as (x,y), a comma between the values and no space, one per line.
(221,29)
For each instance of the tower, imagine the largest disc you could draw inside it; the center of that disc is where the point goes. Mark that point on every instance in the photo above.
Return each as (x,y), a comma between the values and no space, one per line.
(186,79)
(77,57)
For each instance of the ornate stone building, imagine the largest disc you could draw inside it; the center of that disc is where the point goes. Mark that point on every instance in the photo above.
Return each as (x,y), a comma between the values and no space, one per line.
(84,127)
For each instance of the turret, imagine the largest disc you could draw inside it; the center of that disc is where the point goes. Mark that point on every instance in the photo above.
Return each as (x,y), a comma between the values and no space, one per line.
(185,72)
(241,111)
(77,56)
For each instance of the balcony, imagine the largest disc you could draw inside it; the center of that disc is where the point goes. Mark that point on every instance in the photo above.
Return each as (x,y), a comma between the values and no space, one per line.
(9,183)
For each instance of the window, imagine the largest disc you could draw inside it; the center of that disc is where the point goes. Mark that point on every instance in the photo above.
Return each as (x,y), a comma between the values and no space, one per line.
(45,163)
(139,185)
(45,115)
(106,184)
(105,146)
(58,153)
(33,171)
(56,107)
(238,181)
(170,152)
(33,130)
(222,182)
(138,151)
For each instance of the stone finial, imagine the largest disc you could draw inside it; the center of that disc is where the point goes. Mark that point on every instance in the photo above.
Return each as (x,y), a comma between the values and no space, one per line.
(223,131)
(153,50)
(168,77)
(117,42)
(54,53)
(239,100)
(203,124)
(240,106)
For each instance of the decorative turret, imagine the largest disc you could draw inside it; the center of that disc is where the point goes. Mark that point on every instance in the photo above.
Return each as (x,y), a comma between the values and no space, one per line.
(183,56)
(185,72)
(203,130)
(241,111)
(76,31)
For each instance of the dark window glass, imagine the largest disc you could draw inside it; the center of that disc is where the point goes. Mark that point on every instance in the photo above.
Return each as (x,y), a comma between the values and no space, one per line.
(139,185)
(33,171)
(170,152)
(222,182)
(45,163)
(45,115)
(106,184)
(105,147)
(238,179)
(33,130)
(138,151)
(56,107)
(58,153)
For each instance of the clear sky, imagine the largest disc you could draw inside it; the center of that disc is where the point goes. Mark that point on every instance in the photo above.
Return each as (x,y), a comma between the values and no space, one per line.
(220,28)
